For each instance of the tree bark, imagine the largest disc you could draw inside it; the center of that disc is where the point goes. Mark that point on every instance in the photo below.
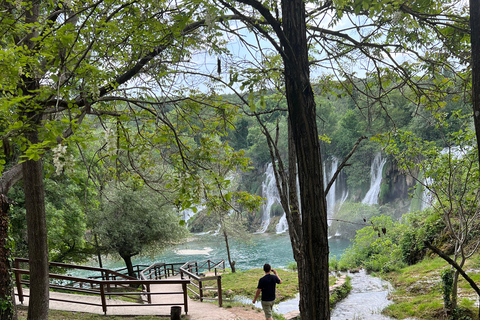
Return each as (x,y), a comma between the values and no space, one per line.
(314,304)
(457,267)
(37,236)
(7,298)
(232,263)
(475,42)
(128,263)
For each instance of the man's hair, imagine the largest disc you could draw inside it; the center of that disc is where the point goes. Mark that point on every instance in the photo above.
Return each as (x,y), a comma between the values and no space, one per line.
(267,267)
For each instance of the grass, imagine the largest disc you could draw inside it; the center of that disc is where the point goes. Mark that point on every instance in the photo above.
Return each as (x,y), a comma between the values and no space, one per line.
(244,283)
(418,292)
(68,315)
(241,283)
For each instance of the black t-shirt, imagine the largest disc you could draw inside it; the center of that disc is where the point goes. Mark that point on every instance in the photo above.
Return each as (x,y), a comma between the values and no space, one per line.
(267,283)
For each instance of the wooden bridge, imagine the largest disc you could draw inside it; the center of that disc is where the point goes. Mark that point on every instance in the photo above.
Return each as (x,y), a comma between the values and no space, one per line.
(157,287)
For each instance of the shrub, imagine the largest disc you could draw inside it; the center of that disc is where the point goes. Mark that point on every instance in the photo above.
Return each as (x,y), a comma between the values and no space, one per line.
(376,248)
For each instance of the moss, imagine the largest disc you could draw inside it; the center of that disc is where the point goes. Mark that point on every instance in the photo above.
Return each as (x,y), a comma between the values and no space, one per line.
(339,293)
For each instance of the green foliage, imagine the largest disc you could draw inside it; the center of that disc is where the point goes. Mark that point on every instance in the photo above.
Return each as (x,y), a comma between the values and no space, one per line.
(340,293)
(422,226)
(137,221)
(376,247)
(352,217)
(292,266)
(447,287)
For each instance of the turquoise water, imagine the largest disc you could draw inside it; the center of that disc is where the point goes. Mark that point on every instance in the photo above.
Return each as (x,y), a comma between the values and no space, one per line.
(274,249)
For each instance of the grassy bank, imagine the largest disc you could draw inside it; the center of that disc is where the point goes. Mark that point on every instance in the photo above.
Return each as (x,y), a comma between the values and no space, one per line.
(245,283)
(418,291)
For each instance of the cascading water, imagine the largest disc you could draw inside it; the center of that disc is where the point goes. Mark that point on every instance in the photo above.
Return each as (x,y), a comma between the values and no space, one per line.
(375,180)
(427,197)
(282,225)
(270,192)
(334,199)
(454,153)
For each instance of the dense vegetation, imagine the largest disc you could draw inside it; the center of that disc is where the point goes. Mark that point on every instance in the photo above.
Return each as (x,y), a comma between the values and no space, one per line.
(107,101)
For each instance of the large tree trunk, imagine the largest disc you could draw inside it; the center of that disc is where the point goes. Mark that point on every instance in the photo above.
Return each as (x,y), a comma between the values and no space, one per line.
(7,299)
(475,41)
(37,236)
(314,303)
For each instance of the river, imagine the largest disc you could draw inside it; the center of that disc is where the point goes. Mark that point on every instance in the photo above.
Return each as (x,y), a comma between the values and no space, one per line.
(259,249)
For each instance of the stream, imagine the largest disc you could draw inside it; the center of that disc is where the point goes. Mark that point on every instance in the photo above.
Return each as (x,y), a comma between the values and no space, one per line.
(366,300)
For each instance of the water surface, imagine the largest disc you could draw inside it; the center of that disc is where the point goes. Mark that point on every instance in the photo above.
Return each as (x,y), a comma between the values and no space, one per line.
(274,249)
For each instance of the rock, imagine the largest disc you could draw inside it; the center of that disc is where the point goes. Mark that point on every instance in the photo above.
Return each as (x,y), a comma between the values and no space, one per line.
(228,293)
(292,315)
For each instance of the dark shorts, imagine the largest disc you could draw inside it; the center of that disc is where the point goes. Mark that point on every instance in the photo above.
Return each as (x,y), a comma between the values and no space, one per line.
(267,308)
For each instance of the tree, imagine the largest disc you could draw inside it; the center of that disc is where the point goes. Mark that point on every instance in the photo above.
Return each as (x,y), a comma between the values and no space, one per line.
(450,178)
(135,220)
(383,31)
(7,295)
(66,60)
(475,65)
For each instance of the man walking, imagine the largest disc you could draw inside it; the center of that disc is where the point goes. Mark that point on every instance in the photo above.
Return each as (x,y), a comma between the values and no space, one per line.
(266,285)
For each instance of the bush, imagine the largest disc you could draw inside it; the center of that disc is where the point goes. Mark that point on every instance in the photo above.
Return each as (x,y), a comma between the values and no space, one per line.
(292,266)
(421,226)
(376,248)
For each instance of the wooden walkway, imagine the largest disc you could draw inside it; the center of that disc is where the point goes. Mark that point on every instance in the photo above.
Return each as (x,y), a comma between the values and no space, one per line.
(197,310)
(161,283)
(83,303)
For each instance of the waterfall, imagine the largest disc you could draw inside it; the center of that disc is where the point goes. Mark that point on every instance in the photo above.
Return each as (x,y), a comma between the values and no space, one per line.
(270,192)
(375,180)
(187,214)
(282,225)
(336,195)
(454,153)
(427,197)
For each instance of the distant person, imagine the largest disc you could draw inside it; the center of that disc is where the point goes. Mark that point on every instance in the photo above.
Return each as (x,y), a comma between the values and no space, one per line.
(266,285)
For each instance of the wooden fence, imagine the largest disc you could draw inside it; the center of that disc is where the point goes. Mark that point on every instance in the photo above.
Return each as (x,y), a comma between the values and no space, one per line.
(105,285)
(201,284)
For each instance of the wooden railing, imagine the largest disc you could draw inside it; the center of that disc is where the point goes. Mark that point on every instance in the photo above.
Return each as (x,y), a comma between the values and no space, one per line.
(161,270)
(199,283)
(107,284)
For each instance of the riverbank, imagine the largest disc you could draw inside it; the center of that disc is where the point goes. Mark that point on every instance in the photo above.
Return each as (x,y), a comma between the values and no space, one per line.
(418,291)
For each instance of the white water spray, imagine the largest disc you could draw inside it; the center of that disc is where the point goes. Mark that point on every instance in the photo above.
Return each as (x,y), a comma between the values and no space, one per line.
(334,198)
(376,180)
(270,192)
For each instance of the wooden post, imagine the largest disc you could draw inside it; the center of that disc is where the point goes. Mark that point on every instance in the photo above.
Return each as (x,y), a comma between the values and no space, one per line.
(18,278)
(104,301)
(219,288)
(200,289)
(149,296)
(185,297)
